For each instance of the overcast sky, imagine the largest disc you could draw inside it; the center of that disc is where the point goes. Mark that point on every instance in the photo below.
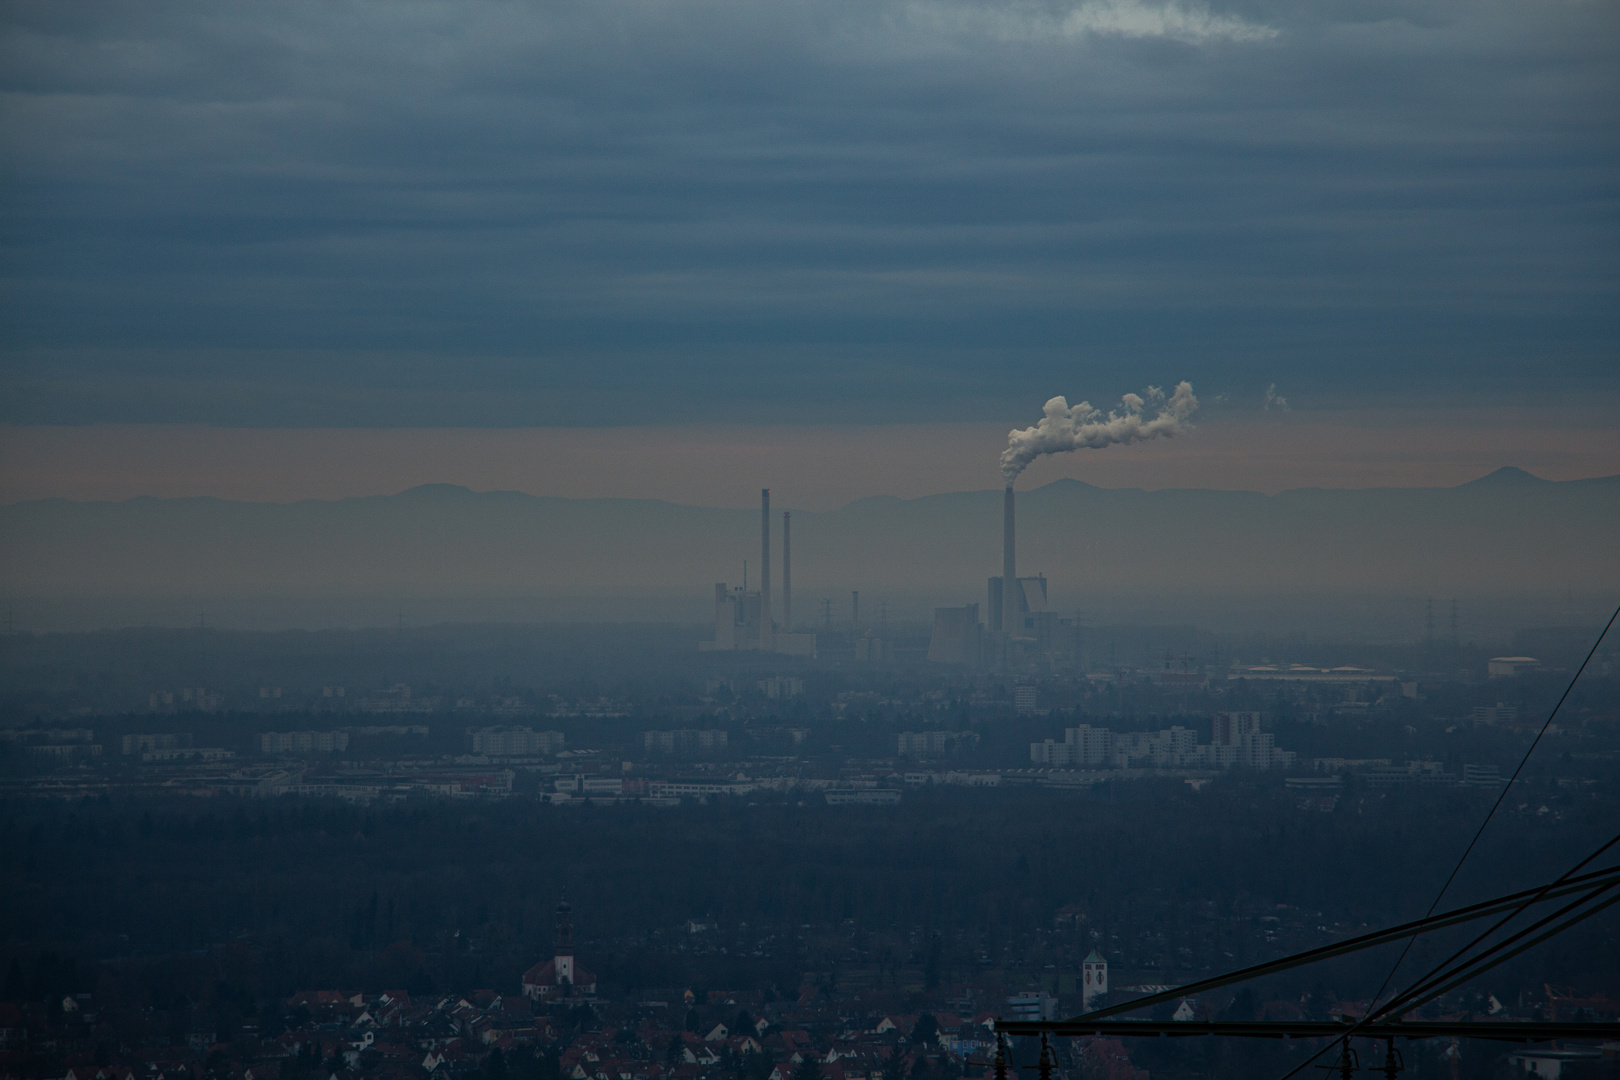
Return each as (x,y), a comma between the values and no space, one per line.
(672,212)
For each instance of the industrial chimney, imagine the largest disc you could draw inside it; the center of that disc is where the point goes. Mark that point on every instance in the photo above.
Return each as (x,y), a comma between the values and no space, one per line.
(1009,568)
(787,571)
(765,627)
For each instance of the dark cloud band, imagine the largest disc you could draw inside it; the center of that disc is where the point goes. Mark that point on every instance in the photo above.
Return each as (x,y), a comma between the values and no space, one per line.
(504,213)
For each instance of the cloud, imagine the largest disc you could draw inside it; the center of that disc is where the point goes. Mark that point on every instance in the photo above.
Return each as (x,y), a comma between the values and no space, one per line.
(1275,400)
(356,212)
(1192,24)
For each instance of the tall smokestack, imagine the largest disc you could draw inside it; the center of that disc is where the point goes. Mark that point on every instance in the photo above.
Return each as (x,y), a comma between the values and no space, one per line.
(765,628)
(1009,567)
(787,571)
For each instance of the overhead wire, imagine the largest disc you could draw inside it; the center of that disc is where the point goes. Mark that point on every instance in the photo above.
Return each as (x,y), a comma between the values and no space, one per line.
(1439,971)
(1505,957)
(1483,909)
(1455,870)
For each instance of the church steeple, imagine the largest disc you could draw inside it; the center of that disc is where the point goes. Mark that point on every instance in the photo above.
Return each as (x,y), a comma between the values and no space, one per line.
(565,927)
(560,978)
(564,959)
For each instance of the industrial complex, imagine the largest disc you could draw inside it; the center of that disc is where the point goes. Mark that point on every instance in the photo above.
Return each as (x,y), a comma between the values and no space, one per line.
(743,618)
(1022,626)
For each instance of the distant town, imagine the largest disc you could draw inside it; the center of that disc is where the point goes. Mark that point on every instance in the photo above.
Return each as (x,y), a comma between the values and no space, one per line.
(762,849)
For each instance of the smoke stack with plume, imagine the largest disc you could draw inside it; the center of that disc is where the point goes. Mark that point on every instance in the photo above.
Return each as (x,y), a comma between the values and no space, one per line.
(1009,566)
(1084,428)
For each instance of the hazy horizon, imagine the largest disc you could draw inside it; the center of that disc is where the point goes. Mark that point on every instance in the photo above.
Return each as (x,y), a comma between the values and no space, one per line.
(1303,558)
(387,389)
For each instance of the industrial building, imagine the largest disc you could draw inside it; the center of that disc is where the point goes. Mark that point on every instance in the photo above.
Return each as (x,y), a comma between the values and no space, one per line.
(517,742)
(743,618)
(1021,622)
(684,741)
(1030,598)
(933,744)
(303,742)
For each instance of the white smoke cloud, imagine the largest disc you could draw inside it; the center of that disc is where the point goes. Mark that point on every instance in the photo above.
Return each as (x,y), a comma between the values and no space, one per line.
(1187,21)
(1193,24)
(1085,428)
(1275,400)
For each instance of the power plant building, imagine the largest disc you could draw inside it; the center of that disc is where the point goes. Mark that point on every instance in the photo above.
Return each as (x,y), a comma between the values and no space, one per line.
(1030,597)
(1021,622)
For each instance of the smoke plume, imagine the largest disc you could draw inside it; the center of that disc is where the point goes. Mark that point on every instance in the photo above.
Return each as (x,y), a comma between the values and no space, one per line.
(1084,428)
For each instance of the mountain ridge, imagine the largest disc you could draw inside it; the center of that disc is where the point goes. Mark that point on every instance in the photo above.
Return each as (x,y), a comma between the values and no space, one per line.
(452,540)
(1507,476)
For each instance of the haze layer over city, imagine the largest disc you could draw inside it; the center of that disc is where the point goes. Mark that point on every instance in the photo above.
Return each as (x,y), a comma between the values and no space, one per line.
(809,541)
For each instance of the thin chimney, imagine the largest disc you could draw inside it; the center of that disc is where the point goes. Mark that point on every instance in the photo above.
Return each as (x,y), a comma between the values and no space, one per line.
(787,571)
(1009,568)
(765,628)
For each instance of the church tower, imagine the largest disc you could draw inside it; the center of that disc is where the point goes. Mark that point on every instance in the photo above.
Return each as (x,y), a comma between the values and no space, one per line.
(1094,980)
(560,978)
(563,962)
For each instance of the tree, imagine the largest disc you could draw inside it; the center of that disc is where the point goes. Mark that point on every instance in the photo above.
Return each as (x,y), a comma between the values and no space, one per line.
(894,1066)
(550,1063)
(521,1064)
(926,1031)
(760,1065)
(582,1017)
(808,1069)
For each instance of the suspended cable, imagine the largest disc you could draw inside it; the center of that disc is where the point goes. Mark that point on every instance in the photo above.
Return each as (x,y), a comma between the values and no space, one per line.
(1374,1007)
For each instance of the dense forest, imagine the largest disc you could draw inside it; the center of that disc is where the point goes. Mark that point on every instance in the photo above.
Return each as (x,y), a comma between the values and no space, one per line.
(287,895)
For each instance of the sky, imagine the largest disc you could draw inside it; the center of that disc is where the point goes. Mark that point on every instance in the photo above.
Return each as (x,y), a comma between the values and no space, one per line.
(646,246)
(810,466)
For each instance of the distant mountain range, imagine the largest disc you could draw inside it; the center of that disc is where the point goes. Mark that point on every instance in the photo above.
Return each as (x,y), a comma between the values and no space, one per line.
(1508,533)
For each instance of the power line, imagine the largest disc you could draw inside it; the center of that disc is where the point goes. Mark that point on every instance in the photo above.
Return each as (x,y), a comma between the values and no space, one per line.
(1504,1030)
(1585,883)
(1374,1009)
(1542,894)
(1437,984)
